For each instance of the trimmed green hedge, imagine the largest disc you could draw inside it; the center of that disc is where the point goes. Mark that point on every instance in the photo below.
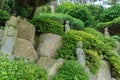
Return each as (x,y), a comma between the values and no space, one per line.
(48,26)
(71,70)
(61,18)
(20,69)
(77,11)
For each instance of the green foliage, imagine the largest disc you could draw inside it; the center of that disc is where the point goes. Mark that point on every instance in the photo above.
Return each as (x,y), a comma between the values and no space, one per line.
(114,59)
(113,26)
(110,13)
(4,16)
(71,70)
(75,23)
(116,37)
(43,9)
(93,61)
(20,69)
(77,11)
(70,39)
(48,26)
(95,10)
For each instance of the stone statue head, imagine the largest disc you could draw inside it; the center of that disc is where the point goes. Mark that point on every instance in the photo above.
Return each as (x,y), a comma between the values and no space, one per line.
(67,22)
(106,29)
(53,4)
(12,22)
(79,44)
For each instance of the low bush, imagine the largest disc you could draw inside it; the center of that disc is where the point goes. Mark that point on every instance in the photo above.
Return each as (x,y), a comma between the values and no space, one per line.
(71,70)
(4,16)
(48,26)
(114,59)
(110,13)
(93,61)
(20,69)
(61,18)
(77,11)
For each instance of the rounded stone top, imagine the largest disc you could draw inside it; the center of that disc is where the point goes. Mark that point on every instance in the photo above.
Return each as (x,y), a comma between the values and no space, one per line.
(79,44)
(67,22)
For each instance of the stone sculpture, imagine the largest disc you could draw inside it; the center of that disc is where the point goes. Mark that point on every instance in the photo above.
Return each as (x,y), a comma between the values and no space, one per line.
(9,37)
(53,6)
(106,33)
(80,54)
(67,26)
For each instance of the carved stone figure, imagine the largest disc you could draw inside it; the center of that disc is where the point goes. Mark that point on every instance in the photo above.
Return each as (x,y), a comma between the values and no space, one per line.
(106,33)
(53,6)
(9,37)
(80,54)
(67,26)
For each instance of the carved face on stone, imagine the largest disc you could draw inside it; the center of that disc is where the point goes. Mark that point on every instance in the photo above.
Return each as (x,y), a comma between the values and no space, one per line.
(11,22)
(79,44)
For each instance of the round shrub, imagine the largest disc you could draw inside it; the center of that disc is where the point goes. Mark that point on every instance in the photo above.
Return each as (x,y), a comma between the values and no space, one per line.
(4,16)
(20,69)
(95,10)
(93,61)
(48,26)
(110,13)
(77,11)
(71,70)
(61,18)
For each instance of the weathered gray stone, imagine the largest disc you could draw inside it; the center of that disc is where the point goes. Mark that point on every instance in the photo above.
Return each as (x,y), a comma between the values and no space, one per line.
(1,34)
(104,72)
(53,6)
(106,33)
(24,48)
(80,54)
(50,64)
(48,44)
(67,26)
(25,30)
(8,41)
(9,37)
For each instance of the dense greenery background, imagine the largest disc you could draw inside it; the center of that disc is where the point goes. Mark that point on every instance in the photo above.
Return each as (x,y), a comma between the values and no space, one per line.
(87,25)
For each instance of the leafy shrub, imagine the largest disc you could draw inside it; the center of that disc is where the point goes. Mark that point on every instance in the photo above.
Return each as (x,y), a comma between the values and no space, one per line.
(48,26)
(95,10)
(113,26)
(75,23)
(70,39)
(93,61)
(43,9)
(110,13)
(77,11)
(4,16)
(114,59)
(71,70)
(19,69)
